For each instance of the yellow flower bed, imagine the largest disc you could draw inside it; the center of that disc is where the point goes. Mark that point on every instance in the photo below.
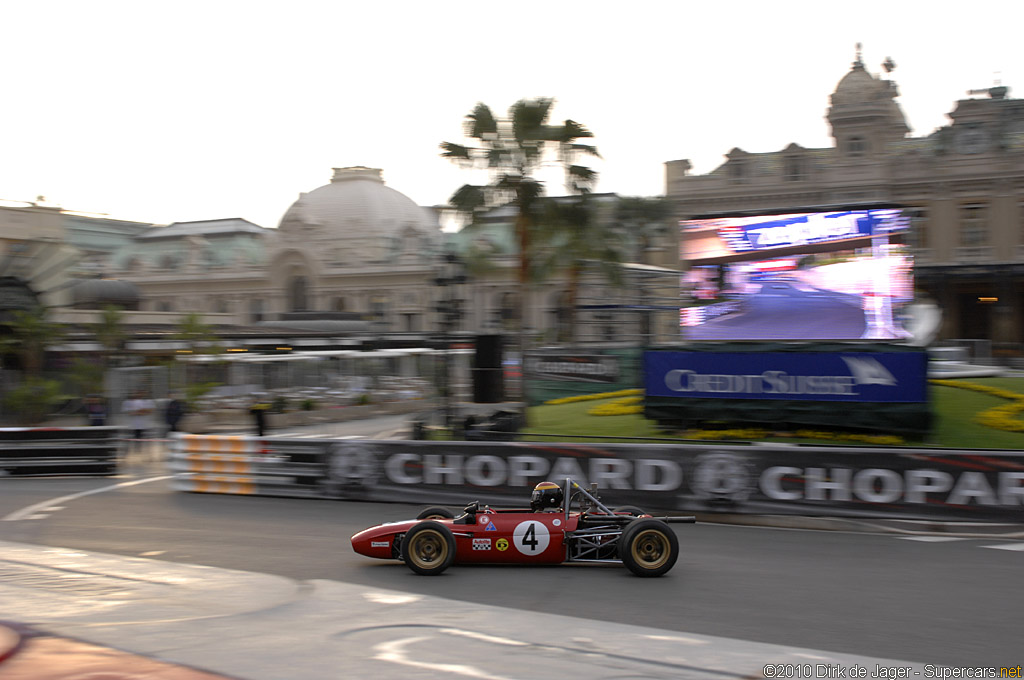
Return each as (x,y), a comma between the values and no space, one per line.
(619,407)
(592,397)
(998,417)
(877,439)
(748,433)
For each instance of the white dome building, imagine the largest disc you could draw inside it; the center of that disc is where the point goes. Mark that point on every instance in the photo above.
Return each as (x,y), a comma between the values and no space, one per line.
(354,248)
(358,213)
(355,245)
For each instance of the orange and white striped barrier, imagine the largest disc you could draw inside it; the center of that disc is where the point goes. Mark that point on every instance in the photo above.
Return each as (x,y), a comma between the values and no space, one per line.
(238,465)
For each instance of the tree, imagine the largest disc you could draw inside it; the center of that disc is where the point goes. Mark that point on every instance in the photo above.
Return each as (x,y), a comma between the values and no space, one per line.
(110,333)
(577,239)
(30,334)
(648,221)
(645,219)
(199,338)
(512,150)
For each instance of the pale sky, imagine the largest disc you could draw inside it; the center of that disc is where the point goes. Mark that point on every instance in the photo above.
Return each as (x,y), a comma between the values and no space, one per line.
(176,111)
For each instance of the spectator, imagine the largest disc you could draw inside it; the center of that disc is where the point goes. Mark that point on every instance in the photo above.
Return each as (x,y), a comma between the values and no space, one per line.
(139,409)
(259,410)
(173,413)
(96,410)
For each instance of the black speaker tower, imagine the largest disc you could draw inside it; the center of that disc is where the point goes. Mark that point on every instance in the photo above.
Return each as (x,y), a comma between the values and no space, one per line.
(488,372)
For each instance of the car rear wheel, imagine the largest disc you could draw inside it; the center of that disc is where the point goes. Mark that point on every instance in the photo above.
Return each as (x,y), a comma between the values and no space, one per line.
(648,547)
(428,548)
(435,512)
(630,509)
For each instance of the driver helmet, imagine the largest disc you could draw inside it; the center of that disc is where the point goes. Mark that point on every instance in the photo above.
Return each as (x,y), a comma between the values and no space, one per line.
(546,495)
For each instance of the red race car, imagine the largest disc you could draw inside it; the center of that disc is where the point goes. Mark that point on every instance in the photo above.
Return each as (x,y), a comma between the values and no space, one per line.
(549,532)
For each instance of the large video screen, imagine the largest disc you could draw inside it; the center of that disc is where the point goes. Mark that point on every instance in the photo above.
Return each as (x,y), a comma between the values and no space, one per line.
(821,275)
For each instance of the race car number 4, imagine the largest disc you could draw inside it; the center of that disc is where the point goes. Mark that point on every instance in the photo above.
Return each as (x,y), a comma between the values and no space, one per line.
(531,537)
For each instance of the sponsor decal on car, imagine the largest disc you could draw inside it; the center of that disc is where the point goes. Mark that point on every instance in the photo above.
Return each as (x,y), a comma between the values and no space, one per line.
(484,520)
(379,544)
(481,544)
(490,527)
(501,545)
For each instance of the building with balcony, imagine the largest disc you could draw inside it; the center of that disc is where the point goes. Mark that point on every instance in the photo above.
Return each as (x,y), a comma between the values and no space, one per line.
(962,185)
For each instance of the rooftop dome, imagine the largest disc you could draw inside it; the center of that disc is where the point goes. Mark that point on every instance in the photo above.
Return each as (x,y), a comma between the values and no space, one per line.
(863,99)
(856,87)
(357,203)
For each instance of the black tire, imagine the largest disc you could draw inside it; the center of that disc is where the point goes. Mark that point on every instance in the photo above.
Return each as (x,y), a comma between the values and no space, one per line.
(428,548)
(435,512)
(648,547)
(631,509)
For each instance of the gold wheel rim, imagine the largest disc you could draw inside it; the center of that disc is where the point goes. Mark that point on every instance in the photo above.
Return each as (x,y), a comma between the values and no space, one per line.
(651,549)
(428,549)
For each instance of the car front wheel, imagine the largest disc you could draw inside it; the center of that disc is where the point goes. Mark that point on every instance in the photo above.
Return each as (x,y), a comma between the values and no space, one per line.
(428,548)
(648,547)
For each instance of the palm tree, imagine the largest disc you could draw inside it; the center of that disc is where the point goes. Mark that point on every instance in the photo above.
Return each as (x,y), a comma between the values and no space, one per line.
(577,240)
(199,338)
(30,334)
(110,332)
(512,150)
(645,219)
(648,222)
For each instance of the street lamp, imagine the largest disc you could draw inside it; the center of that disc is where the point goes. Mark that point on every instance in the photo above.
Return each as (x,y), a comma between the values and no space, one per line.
(451,273)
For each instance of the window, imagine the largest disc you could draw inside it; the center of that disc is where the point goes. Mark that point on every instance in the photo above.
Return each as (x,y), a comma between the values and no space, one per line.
(794,169)
(509,309)
(973,224)
(738,170)
(256,310)
(297,298)
(1020,217)
(856,146)
(917,235)
(379,310)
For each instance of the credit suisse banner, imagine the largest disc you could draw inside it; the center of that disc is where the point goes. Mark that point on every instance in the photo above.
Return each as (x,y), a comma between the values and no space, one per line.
(733,478)
(809,376)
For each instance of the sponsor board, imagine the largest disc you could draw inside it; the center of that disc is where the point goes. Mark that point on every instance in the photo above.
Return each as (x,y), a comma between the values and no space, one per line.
(836,481)
(573,367)
(804,376)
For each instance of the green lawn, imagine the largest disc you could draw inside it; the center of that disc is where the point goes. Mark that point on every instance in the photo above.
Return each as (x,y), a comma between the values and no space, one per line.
(954,410)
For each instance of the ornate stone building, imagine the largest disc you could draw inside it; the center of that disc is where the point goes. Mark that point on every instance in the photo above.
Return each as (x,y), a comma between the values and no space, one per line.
(963,185)
(356,249)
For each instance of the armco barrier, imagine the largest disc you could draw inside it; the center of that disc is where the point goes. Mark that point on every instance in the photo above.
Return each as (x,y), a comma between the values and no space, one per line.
(39,451)
(240,465)
(734,478)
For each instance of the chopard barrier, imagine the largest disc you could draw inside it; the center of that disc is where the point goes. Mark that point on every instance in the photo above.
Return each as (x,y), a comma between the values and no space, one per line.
(810,481)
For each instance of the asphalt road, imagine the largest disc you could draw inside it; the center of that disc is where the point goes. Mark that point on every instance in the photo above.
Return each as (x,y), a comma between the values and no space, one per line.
(779,311)
(955,602)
